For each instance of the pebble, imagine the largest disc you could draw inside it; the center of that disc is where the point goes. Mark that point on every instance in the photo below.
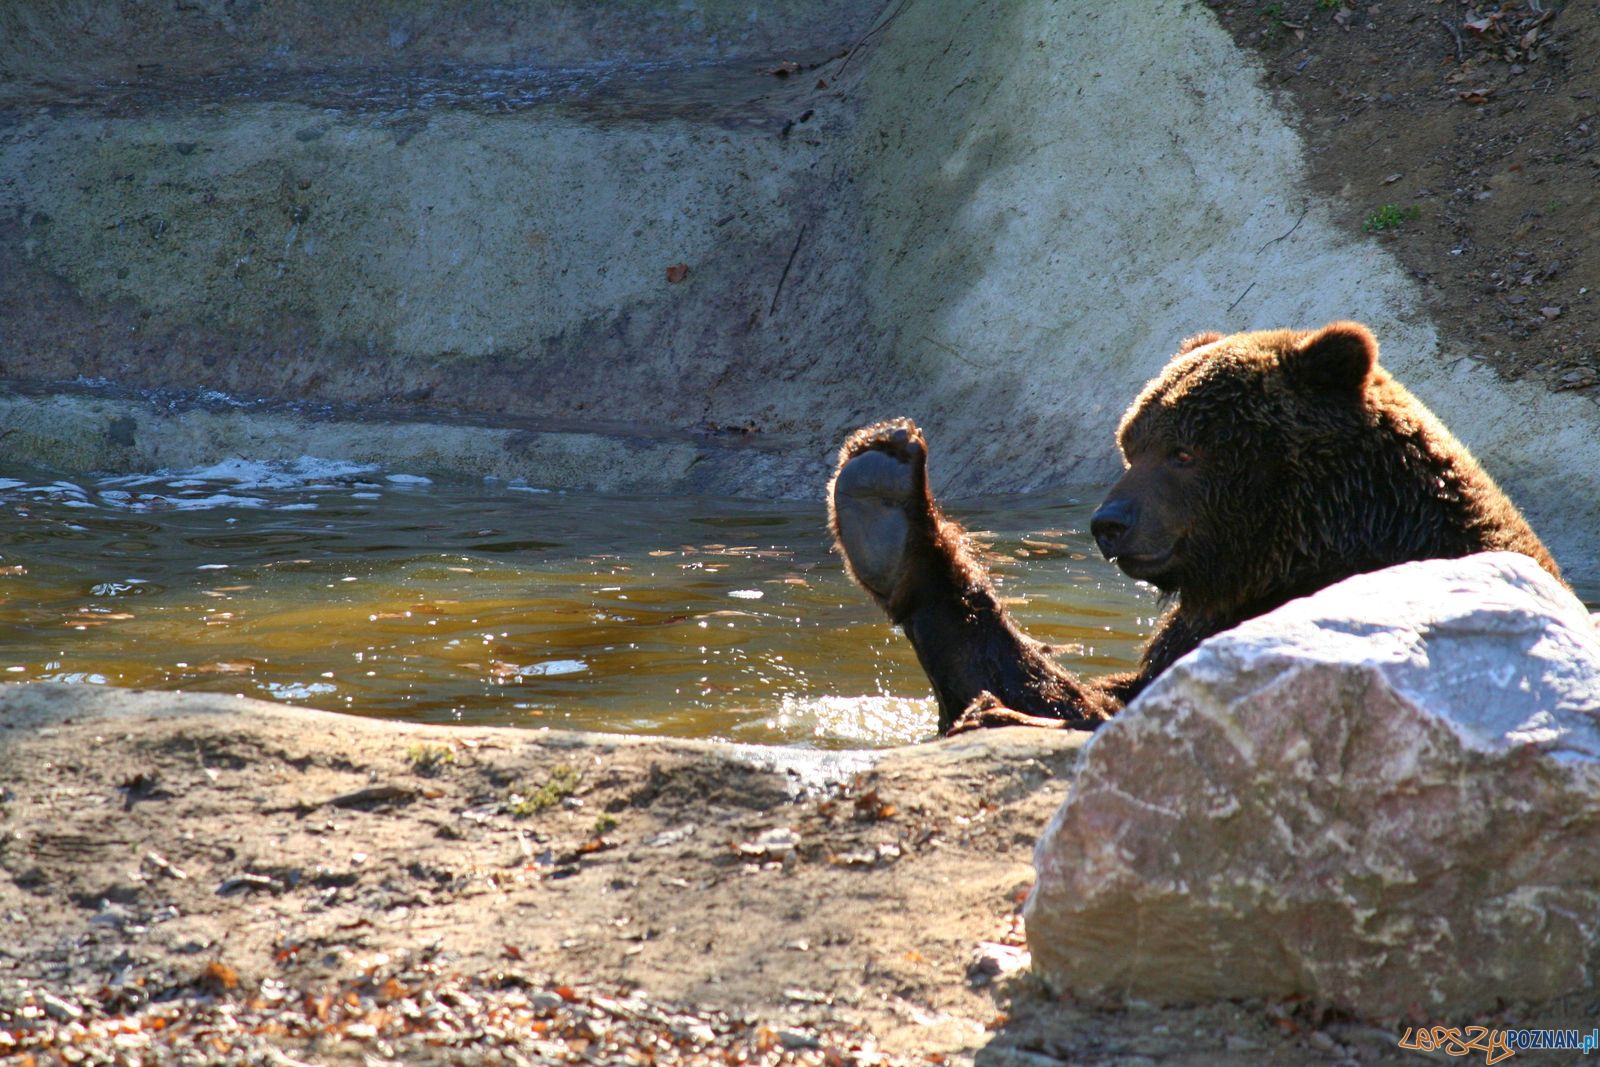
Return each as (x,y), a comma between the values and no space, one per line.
(797,1039)
(545,1002)
(771,843)
(58,1008)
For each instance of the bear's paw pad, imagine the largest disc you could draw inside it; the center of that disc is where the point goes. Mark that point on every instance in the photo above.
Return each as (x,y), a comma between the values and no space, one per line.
(877,496)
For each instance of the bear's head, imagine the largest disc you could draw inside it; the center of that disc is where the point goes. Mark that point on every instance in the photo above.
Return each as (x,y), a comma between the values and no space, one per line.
(1243,460)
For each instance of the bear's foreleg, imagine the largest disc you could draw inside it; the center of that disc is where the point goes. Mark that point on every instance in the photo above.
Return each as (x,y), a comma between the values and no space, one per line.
(919,568)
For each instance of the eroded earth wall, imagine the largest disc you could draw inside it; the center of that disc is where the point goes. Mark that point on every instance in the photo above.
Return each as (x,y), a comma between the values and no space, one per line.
(996,217)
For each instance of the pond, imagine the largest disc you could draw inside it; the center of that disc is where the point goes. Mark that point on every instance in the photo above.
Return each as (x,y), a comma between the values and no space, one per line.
(353,589)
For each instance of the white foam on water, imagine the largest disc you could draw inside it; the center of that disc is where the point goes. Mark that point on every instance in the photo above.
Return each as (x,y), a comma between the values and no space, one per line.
(868,721)
(299,690)
(553,667)
(75,678)
(121,588)
(56,489)
(307,472)
(201,503)
(228,483)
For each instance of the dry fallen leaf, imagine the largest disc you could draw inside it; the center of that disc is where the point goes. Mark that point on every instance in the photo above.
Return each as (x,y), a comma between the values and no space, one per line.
(220,975)
(677,272)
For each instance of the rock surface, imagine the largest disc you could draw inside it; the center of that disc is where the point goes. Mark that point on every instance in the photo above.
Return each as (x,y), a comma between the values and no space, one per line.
(1385,796)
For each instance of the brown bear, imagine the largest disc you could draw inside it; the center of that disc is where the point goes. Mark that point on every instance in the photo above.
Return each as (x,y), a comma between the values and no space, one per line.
(1260,467)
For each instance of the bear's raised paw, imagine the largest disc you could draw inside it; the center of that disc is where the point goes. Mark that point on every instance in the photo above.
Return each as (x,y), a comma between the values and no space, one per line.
(878,504)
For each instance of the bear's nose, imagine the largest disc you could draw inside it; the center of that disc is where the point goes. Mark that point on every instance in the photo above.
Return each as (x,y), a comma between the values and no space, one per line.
(1110,525)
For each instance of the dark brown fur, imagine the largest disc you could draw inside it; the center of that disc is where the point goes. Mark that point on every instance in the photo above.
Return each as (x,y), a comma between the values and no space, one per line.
(943,599)
(1260,467)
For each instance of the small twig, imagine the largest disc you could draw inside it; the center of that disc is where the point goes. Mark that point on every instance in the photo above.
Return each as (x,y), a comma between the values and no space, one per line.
(785,275)
(373,794)
(1242,295)
(1455,34)
(1291,229)
(162,864)
(249,881)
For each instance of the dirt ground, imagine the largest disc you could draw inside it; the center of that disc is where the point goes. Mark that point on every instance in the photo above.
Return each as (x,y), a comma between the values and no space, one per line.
(1463,134)
(194,879)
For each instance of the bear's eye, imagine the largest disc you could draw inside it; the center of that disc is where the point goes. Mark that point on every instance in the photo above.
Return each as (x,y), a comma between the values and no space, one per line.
(1180,457)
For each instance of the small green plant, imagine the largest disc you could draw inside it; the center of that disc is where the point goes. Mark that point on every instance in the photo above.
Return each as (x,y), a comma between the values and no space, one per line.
(562,784)
(604,824)
(1389,216)
(1552,207)
(429,760)
(1329,5)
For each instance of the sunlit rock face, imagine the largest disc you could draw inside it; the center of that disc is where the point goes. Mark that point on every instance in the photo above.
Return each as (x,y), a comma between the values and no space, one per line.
(1385,796)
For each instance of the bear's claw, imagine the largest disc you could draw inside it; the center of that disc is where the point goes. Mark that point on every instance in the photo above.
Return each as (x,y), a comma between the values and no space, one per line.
(987,712)
(900,438)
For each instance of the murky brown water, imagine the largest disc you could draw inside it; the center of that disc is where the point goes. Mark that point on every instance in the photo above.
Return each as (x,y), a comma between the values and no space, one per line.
(347,589)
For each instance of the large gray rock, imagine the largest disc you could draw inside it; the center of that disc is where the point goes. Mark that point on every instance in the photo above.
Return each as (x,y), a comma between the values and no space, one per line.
(1386,796)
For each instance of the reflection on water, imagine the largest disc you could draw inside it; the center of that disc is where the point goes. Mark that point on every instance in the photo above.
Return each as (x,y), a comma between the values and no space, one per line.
(345,588)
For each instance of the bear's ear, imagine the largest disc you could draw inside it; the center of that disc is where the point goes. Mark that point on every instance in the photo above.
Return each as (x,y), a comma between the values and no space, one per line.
(1335,359)
(1199,340)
